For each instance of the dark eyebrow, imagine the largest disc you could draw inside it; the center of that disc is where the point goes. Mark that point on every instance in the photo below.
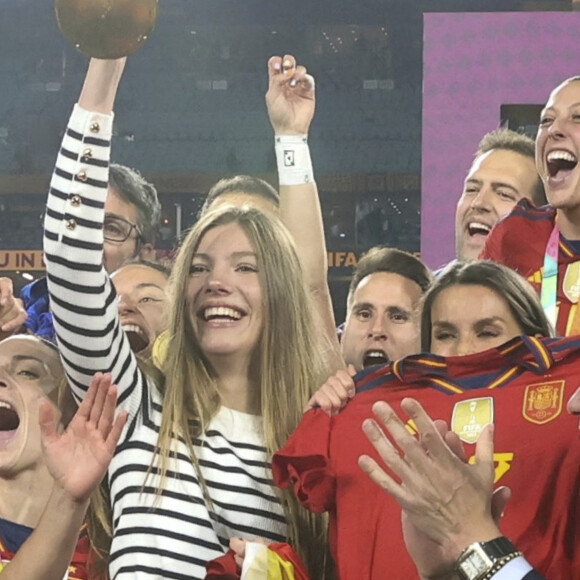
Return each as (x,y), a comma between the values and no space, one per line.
(443,324)
(389,309)
(494,184)
(490,320)
(397,310)
(115,215)
(361,305)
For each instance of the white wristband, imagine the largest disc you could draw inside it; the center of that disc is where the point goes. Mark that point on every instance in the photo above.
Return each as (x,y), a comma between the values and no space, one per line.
(293,158)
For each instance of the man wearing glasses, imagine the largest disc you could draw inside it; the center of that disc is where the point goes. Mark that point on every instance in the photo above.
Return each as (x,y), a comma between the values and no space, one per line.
(132,217)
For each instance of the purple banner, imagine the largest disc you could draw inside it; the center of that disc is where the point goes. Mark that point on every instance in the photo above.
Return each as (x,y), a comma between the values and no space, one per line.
(474,63)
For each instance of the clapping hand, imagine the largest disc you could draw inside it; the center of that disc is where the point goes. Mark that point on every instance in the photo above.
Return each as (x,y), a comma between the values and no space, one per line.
(78,458)
(447,504)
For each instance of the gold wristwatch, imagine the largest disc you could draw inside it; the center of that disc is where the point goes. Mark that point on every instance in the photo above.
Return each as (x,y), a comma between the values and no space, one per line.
(480,561)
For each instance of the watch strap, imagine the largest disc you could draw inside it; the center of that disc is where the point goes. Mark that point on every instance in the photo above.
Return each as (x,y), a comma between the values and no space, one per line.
(480,560)
(500,564)
(498,548)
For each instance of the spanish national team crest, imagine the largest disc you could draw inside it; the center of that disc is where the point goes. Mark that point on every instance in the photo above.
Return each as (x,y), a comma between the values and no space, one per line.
(571,282)
(543,401)
(470,417)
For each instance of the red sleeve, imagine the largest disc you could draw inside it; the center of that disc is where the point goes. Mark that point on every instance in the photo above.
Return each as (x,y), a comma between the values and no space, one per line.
(519,239)
(493,244)
(77,569)
(304,463)
(501,243)
(223,568)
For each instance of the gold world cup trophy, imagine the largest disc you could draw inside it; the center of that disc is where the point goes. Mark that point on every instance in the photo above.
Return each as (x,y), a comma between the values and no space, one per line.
(106,29)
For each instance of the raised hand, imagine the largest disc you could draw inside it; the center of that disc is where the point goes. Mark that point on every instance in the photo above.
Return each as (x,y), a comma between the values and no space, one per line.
(335,393)
(290,98)
(447,503)
(238,545)
(12,312)
(78,458)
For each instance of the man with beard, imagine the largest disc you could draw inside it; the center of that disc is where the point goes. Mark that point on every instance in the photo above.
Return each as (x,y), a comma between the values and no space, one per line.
(502,173)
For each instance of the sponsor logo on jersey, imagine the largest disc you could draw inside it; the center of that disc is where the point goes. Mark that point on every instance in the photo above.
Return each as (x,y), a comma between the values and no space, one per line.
(543,401)
(571,283)
(470,417)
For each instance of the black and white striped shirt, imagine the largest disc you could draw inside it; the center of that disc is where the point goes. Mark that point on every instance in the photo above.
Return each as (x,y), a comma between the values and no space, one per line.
(171,536)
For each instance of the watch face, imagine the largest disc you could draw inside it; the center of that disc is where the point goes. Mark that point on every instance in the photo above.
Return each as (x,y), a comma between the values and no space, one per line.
(478,559)
(474,565)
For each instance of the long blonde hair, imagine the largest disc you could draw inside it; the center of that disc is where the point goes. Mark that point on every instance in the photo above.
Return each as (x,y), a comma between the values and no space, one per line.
(287,363)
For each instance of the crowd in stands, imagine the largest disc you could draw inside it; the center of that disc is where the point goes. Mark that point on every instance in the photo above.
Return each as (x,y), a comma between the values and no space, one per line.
(432,435)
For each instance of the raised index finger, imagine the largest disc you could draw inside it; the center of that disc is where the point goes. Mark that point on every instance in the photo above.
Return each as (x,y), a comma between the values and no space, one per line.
(6,290)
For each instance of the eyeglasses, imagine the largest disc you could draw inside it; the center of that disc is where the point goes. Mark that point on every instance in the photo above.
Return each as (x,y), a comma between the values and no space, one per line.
(118,229)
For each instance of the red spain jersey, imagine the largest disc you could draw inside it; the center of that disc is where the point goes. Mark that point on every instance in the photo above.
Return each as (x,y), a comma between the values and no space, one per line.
(522,387)
(519,241)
